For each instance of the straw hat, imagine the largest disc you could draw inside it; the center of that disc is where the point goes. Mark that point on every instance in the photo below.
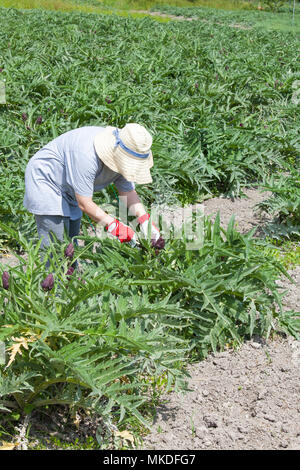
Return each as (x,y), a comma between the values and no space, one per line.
(126,151)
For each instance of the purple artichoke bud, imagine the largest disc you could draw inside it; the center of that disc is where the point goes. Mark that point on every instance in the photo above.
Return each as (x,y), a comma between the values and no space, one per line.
(108,100)
(70,272)
(5,280)
(24,117)
(158,244)
(39,120)
(48,283)
(69,252)
(241,125)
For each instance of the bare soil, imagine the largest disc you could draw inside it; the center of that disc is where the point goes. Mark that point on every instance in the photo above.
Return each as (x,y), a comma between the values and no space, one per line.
(238,399)
(245,399)
(247,216)
(186,18)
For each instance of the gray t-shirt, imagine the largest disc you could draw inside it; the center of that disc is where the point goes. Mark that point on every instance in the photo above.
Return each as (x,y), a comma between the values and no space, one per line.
(68,165)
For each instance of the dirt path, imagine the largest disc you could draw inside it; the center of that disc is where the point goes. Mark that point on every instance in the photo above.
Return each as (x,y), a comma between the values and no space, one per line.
(186,18)
(165,15)
(245,399)
(248,399)
(246,216)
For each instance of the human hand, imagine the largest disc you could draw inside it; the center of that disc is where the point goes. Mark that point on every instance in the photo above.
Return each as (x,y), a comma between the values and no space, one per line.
(143,221)
(124,233)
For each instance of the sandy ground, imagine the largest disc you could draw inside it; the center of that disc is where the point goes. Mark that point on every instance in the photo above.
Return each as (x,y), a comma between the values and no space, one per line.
(247,399)
(186,18)
(246,216)
(244,399)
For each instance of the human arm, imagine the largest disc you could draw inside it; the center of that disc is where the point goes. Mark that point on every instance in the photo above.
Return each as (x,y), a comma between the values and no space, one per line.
(113,226)
(133,202)
(88,206)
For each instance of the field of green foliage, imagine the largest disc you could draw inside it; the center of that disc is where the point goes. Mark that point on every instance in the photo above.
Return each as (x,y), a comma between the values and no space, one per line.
(222,103)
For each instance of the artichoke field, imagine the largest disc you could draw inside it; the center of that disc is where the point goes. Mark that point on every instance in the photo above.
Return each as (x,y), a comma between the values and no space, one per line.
(218,101)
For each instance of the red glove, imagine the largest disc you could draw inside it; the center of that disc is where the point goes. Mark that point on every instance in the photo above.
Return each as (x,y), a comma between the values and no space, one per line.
(144,222)
(156,240)
(121,231)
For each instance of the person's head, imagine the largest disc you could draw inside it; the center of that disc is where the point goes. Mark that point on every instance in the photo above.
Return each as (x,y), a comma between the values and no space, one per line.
(126,151)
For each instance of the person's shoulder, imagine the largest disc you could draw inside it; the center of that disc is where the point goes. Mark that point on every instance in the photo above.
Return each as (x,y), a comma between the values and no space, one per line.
(80,139)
